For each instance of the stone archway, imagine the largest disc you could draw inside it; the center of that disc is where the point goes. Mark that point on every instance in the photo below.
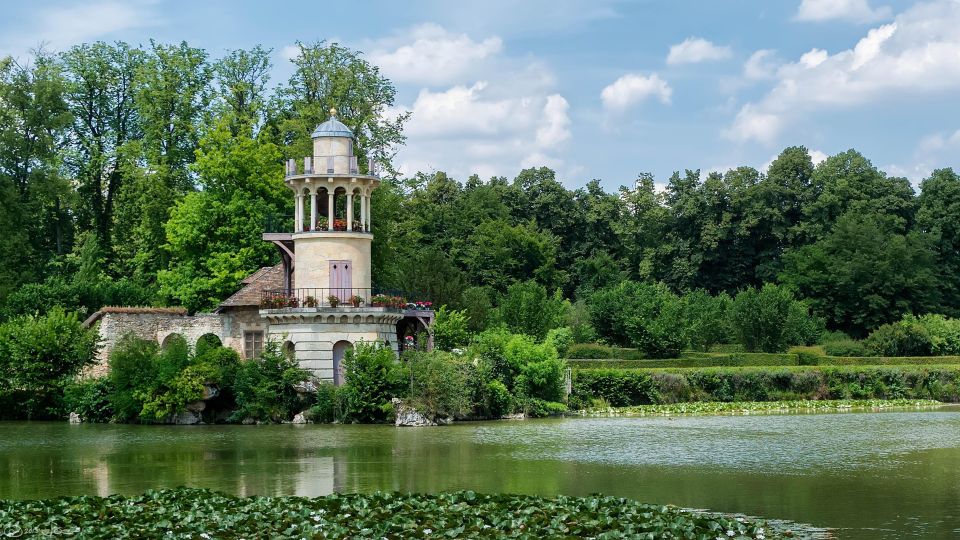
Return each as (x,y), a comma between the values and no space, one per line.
(340,349)
(170,339)
(290,350)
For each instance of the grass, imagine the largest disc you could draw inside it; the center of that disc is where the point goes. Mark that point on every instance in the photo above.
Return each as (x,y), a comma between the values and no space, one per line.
(197,513)
(763,407)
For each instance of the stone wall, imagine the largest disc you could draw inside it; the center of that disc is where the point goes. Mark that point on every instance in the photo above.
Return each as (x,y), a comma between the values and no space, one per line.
(151,325)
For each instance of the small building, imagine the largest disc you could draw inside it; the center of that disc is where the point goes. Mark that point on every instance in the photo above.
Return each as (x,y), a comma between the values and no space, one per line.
(319,301)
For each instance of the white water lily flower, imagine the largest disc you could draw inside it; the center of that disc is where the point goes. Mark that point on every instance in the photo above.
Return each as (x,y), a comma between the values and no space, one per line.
(731,533)
(205,535)
(427,531)
(760,536)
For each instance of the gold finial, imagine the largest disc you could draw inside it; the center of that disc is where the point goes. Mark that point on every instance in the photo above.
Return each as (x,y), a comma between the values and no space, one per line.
(333,111)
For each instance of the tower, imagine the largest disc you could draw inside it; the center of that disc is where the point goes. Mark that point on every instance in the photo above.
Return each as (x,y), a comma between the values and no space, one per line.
(327,304)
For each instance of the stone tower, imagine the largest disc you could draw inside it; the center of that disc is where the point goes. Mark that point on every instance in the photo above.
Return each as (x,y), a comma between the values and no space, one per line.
(327,304)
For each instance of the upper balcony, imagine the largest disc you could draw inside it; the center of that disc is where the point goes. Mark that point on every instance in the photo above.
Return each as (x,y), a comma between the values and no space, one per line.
(328,166)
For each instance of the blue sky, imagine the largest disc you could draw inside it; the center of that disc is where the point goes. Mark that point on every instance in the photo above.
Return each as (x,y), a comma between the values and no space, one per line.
(598,89)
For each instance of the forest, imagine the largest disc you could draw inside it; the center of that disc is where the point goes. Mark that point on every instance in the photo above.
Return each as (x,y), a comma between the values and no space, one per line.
(144,175)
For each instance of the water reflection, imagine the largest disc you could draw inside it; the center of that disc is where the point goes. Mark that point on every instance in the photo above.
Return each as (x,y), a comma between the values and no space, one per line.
(884,475)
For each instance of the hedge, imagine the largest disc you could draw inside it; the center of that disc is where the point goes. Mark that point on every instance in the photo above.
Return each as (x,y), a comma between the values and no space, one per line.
(628,387)
(704,360)
(597,351)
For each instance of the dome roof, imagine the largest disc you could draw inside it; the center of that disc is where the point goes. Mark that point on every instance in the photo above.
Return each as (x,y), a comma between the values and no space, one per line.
(332,128)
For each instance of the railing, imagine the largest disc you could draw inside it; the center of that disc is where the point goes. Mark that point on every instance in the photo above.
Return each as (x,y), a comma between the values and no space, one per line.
(284,224)
(338,298)
(313,166)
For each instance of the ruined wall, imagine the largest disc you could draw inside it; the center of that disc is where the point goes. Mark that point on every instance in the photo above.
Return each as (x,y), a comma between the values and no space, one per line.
(154,326)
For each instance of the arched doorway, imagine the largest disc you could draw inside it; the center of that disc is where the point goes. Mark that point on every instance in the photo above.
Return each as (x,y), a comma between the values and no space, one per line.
(207,342)
(173,339)
(339,352)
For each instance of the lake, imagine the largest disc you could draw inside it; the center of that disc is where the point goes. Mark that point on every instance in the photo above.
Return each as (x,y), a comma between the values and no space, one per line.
(868,475)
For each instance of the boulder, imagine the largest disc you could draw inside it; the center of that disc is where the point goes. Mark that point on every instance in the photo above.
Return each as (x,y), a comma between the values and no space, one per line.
(75,418)
(196,406)
(300,418)
(186,418)
(407,416)
(309,386)
(248,421)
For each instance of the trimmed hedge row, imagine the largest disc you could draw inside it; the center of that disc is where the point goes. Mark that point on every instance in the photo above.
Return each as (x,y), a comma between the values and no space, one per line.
(627,387)
(596,351)
(705,360)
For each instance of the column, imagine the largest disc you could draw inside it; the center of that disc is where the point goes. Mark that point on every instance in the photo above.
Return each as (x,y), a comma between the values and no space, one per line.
(331,209)
(369,215)
(363,212)
(350,210)
(313,209)
(297,222)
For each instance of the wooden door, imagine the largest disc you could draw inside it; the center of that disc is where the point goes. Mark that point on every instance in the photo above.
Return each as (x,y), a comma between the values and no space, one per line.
(341,280)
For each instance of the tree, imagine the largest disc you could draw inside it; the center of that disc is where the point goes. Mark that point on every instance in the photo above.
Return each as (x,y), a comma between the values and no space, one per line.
(939,217)
(330,76)
(241,80)
(100,96)
(644,315)
(759,318)
(864,273)
(450,329)
(213,236)
(528,309)
(498,255)
(39,356)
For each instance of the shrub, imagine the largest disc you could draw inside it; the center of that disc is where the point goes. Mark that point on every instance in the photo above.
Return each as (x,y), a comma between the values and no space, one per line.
(498,400)
(450,329)
(944,333)
(542,379)
(903,338)
(90,399)
(438,384)
(644,315)
(39,357)
(769,319)
(578,320)
(265,387)
(132,370)
(828,336)
(641,387)
(560,339)
(327,407)
(846,347)
(528,309)
(807,359)
(373,377)
(705,319)
(593,351)
(538,408)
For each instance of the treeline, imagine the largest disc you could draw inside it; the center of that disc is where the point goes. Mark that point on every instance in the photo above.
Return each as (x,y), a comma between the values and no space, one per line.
(144,174)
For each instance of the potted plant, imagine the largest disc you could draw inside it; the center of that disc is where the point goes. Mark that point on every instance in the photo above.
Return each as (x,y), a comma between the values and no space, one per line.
(339,224)
(310,301)
(322,223)
(356,300)
(292,302)
(333,300)
(357,225)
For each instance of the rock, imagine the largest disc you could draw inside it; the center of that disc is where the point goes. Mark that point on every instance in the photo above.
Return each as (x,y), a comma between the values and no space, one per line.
(518,416)
(409,417)
(186,418)
(196,406)
(309,386)
(75,418)
(248,421)
(300,418)
(210,391)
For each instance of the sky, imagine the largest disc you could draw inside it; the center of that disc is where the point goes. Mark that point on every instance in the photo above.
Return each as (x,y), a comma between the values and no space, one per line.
(598,89)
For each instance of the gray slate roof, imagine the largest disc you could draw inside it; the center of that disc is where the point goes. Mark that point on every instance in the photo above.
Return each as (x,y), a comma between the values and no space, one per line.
(332,128)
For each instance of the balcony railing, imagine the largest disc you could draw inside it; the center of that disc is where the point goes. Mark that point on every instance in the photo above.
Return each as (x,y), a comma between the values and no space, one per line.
(339,298)
(309,165)
(284,224)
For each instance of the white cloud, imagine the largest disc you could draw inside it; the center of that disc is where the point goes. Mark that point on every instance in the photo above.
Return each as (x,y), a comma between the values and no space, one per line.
(817,157)
(915,56)
(762,64)
(851,10)
(693,50)
(498,115)
(632,88)
(434,56)
(59,28)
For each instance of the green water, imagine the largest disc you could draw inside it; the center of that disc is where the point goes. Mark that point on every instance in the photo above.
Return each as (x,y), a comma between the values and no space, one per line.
(868,475)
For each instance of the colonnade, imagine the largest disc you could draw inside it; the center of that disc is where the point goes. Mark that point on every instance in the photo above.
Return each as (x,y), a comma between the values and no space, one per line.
(300,211)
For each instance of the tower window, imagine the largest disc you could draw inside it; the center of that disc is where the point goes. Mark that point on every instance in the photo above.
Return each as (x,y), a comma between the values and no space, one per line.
(252,344)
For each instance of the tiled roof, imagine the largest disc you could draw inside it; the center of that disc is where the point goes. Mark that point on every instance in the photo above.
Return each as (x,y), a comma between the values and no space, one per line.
(264,279)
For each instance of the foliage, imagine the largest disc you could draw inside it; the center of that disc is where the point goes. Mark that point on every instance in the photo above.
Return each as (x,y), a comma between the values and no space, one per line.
(644,315)
(193,513)
(90,399)
(705,319)
(528,309)
(944,333)
(39,356)
(903,338)
(763,407)
(450,329)
(560,339)
(265,387)
(497,400)
(373,377)
(439,384)
(599,352)
(644,386)
(845,347)
(768,319)
(328,407)
(538,408)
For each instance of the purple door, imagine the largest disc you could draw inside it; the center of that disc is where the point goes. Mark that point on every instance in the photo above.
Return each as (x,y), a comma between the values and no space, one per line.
(341,280)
